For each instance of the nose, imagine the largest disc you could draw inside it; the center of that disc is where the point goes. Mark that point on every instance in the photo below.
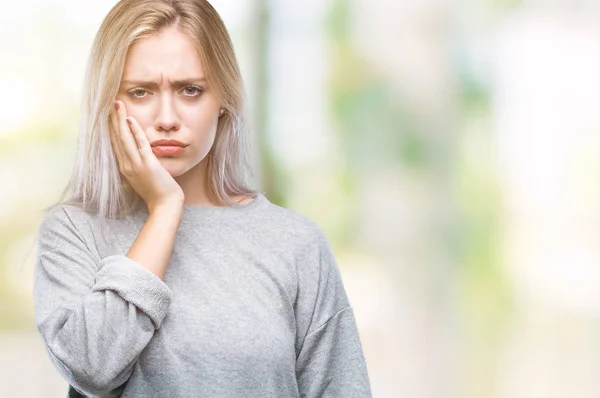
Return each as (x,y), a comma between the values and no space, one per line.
(166,118)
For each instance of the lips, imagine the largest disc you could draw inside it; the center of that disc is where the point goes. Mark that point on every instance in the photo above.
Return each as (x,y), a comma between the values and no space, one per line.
(167,150)
(165,147)
(164,142)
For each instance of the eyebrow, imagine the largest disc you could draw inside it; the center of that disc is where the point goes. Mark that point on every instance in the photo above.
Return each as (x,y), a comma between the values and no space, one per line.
(149,83)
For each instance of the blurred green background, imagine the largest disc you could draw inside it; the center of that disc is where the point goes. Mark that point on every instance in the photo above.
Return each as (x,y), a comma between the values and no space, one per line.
(449,151)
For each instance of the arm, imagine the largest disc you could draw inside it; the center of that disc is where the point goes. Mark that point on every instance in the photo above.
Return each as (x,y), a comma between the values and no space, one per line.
(329,355)
(153,246)
(95,316)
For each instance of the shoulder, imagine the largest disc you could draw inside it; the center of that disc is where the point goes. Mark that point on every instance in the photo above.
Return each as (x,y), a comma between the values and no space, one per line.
(64,222)
(62,213)
(288,224)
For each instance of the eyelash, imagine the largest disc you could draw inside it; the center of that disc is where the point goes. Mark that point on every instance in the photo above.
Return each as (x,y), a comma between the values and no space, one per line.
(131,92)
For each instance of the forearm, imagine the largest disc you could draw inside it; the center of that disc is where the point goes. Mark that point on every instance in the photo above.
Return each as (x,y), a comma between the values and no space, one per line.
(97,343)
(94,340)
(154,244)
(96,315)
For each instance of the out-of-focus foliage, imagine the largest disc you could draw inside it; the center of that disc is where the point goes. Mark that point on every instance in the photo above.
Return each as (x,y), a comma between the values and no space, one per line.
(450,152)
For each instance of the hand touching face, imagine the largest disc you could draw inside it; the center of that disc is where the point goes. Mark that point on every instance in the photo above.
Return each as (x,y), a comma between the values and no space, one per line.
(139,165)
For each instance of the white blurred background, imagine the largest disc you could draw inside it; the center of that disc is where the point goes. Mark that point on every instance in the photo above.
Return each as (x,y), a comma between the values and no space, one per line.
(449,150)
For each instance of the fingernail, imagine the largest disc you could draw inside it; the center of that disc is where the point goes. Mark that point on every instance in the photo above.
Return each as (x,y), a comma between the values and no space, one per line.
(129,120)
(117,105)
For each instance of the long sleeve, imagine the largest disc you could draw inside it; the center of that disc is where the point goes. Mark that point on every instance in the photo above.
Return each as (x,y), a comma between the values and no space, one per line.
(95,315)
(330,360)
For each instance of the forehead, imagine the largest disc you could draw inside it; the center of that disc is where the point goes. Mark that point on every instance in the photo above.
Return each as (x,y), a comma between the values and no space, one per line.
(169,53)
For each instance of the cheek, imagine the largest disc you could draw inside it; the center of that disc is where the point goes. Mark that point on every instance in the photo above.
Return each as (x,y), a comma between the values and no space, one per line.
(201,122)
(145,120)
(142,114)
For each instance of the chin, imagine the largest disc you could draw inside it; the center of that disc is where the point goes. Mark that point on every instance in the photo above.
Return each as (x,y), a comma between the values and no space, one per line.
(172,167)
(177,168)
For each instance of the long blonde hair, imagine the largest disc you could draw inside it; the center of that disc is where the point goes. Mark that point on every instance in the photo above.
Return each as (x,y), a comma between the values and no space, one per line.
(96,184)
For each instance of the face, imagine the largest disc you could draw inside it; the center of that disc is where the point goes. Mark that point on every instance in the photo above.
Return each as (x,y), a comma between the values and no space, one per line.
(163,88)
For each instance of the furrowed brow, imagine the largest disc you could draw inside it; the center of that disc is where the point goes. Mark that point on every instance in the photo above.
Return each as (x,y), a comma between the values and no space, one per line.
(152,84)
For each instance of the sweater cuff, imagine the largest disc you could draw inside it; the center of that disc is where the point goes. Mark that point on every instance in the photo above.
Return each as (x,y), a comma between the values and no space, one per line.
(135,284)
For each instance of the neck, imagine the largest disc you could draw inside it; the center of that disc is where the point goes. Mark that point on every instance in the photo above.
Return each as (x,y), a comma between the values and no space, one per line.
(194,184)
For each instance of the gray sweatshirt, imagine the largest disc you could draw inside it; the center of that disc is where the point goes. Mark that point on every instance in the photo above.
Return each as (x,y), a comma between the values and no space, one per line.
(252,304)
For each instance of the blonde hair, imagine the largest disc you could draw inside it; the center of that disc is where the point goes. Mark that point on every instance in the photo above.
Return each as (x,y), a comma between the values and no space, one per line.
(95,184)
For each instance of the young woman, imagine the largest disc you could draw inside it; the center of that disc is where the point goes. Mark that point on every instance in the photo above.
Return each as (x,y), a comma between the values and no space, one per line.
(162,274)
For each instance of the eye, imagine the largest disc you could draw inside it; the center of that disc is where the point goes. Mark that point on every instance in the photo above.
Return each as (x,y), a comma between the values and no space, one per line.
(137,92)
(192,91)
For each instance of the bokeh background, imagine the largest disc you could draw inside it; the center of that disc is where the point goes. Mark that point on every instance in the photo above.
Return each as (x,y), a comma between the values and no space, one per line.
(450,151)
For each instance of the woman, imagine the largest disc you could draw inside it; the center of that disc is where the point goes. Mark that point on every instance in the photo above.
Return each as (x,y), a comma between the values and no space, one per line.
(202,287)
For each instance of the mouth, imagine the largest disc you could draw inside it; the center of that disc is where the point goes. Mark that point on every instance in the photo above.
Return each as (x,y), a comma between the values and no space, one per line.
(167,142)
(167,150)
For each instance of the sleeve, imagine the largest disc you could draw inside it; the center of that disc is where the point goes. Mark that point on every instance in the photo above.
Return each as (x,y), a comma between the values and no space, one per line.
(329,356)
(95,316)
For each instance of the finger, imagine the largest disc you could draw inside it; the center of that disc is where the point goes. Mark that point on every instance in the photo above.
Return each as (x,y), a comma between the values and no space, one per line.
(142,141)
(116,145)
(128,141)
(114,137)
